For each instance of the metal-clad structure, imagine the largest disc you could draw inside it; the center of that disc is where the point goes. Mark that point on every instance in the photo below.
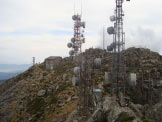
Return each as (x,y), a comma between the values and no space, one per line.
(97,63)
(52,62)
(107,78)
(75,81)
(132,79)
(76,71)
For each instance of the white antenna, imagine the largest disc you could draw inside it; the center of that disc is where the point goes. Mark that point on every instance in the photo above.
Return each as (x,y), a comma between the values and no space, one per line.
(33,61)
(103,37)
(81,7)
(74,6)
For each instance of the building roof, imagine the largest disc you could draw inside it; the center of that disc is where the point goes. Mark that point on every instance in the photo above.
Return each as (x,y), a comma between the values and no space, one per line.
(53,57)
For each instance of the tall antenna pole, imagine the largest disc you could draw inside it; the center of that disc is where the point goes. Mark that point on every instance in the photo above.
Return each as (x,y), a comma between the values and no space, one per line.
(81,7)
(117,47)
(103,37)
(74,7)
(33,61)
(76,45)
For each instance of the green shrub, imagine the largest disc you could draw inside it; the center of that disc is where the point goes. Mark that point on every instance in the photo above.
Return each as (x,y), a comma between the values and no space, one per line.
(63,86)
(54,99)
(36,105)
(147,120)
(124,117)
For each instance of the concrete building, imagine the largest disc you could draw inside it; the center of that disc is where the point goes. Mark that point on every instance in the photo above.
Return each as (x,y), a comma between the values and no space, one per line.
(52,62)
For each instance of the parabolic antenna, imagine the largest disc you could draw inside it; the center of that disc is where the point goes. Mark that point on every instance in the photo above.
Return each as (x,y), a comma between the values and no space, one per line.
(71,53)
(69,45)
(112,18)
(110,30)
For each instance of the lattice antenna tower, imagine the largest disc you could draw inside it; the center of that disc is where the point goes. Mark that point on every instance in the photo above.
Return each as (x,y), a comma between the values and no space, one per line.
(117,47)
(78,38)
(76,45)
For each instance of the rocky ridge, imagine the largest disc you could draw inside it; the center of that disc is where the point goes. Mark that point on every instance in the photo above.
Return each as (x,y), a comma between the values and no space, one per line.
(39,95)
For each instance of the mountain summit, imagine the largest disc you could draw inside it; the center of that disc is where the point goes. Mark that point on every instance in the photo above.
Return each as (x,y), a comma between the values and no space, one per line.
(41,95)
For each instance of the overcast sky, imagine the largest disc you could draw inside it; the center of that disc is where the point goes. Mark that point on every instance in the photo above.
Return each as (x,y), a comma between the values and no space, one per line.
(42,28)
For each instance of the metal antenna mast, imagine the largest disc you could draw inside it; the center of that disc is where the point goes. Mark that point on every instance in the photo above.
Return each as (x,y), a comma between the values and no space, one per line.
(74,7)
(81,70)
(78,39)
(117,48)
(103,37)
(33,61)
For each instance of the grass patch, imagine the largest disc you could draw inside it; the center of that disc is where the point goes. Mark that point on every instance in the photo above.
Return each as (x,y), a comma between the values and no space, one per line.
(63,86)
(54,99)
(147,120)
(124,117)
(36,105)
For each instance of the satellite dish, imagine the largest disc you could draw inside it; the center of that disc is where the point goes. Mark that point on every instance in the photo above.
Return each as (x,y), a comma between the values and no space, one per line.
(112,18)
(110,30)
(83,24)
(71,53)
(83,40)
(77,71)
(111,47)
(69,45)
(72,40)
(74,17)
(97,63)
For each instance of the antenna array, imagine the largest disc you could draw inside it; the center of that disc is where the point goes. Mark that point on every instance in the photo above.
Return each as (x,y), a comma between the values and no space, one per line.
(78,39)
(83,73)
(117,48)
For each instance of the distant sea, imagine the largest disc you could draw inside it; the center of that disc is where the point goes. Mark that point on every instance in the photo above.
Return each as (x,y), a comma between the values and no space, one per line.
(8,71)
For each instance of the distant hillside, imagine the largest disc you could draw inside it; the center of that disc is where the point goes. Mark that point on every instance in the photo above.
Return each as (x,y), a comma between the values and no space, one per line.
(8,71)
(14,67)
(8,75)
(1,81)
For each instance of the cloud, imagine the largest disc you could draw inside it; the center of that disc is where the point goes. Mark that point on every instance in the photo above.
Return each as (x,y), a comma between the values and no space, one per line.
(42,28)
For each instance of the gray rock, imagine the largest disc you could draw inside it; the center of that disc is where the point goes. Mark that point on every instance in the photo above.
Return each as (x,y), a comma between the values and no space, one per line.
(61,104)
(57,87)
(75,120)
(97,116)
(74,97)
(72,116)
(69,99)
(65,77)
(113,110)
(41,93)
